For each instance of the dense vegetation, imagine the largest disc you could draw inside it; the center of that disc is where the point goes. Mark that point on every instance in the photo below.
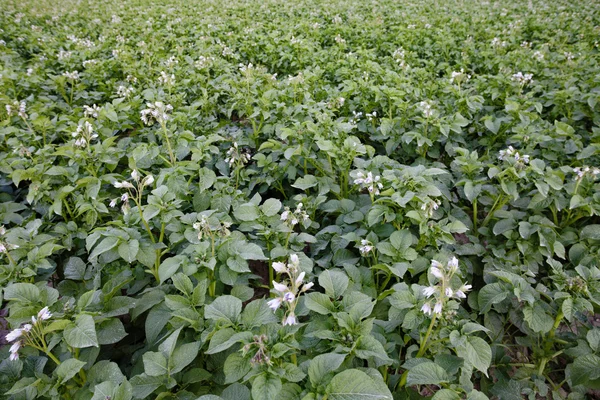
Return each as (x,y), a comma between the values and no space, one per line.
(334,200)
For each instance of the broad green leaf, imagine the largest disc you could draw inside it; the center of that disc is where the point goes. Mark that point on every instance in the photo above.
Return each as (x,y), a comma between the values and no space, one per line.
(183,356)
(105,245)
(81,333)
(591,232)
(169,266)
(110,331)
(353,384)
(305,182)
(155,363)
(246,212)
(236,367)
(256,314)
(322,365)
(271,207)
(68,369)
(537,318)
(128,250)
(489,295)
(335,282)
(224,308)
(426,373)
(266,387)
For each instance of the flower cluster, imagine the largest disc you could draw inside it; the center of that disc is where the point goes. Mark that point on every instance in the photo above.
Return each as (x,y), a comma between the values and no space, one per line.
(92,111)
(203,62)
(496,42)
(157,111)
(84,134)
(459,77)
(426,109)
(583,171)
(166,79)
(124,91)
(369,181)
(28,334)
(18,107)
(522,79)
(234,154)
(261,356)
(89,63)
(74,75)
(171,62)
(430,206)
(538,55)
(512,154)
(288,293)
(366,247)
(399,56)
(443,291)
(141,183)
(292,218)
(204,227)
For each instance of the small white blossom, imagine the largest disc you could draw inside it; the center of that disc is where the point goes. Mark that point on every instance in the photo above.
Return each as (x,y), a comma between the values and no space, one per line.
(274,303)
(73,75)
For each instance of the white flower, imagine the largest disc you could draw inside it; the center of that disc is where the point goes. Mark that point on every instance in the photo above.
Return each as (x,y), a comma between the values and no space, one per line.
(280,287)
(307,286)
(300,278)
(285,215)
(148,180)
(435,271)
(426,308)
(279,267)
(438,308)
(294,259)
(429,291)
(124,197)
(289,297)
(460,294)
(2,248)
(290,320)
(294,221)
(449,292)
(453,263)
(15,347)
(123,184)
(13,356)
(113,203)
(27,327)
(135,174)
(14,335)
(44,314)
(274,303)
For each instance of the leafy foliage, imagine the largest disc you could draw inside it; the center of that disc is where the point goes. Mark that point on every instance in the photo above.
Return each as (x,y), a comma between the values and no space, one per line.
(299,200)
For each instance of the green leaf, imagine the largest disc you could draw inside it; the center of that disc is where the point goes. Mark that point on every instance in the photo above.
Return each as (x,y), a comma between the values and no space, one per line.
(256,314)
(305,182)
(335,282)
(246,212)
(537,318)
(504,225)
(128,251)
(206,178)
(476,352)
(490,295)
(22,292)
(155,363)
(319,303)
(169,266)
(110,331)
(144,385)
(68,369)
(236,367)
(593,338)
(271,207)
(322,365)
(591,232)
(183,356)
(266,387)
(584,369)
(353,384)
(105,245)
(224,308)
(74,269)
(401,240)
(81,333)
(426,373)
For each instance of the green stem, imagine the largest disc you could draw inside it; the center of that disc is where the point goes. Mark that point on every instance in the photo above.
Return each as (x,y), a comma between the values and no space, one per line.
(475,216)
(166,135)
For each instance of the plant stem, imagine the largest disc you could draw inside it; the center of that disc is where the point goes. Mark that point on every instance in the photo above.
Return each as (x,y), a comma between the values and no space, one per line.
(166,134)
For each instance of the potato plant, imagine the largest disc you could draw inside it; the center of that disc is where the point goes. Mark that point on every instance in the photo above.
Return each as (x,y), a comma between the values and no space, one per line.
(308,200)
